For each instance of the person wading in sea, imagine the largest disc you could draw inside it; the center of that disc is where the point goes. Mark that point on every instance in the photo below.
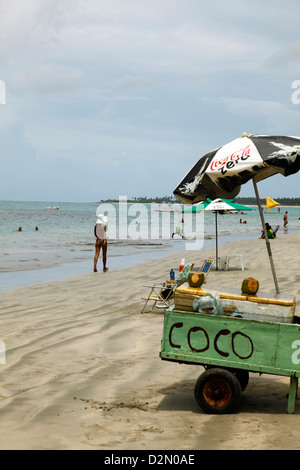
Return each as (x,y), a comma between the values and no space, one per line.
(101,241)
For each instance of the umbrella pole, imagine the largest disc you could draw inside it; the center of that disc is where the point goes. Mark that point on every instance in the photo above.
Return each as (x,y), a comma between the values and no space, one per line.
(266,237)
(216,218)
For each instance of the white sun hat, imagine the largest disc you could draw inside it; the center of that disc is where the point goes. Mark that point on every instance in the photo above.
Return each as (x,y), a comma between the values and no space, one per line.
(101,219)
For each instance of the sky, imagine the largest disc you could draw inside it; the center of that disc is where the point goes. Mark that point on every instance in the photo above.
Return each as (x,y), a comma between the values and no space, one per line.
(101,99)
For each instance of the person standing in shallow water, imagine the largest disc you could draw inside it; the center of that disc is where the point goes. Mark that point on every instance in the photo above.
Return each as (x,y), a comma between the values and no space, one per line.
(285,219)
(101,241)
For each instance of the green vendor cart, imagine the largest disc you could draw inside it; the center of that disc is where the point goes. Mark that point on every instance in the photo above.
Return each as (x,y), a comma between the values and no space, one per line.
(229,347)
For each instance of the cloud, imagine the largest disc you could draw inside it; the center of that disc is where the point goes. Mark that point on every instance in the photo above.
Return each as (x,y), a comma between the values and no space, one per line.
(130,82)
(9,117)
(287,56)
(279,118)
(46,79)
(112,87)
(27,26)
(250,107)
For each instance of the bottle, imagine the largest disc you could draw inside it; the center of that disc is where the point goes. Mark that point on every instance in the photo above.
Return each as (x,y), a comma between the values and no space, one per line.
(182,264)
(172,275)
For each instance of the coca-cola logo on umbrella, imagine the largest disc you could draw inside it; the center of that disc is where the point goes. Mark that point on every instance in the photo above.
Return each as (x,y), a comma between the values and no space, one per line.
(228,162)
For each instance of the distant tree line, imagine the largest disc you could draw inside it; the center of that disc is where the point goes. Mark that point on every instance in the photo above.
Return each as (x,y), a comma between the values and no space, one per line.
(284,201)
(148,200)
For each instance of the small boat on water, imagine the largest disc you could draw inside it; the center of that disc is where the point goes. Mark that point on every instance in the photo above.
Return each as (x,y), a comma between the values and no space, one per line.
(52,208)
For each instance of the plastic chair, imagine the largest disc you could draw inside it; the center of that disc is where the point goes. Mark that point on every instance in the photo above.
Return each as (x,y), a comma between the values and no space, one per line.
(239,255)
(206,267)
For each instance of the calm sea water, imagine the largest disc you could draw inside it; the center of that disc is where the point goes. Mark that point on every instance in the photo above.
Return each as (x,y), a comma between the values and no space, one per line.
(63,245)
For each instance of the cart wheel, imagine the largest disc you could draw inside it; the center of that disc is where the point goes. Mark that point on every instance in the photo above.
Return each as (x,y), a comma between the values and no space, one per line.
(218,391)
(241,374)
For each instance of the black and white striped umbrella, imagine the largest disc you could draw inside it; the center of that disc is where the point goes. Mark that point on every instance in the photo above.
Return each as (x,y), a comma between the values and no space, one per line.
(220,173)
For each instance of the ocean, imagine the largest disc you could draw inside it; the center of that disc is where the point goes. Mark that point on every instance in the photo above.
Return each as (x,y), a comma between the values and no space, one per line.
(63,245)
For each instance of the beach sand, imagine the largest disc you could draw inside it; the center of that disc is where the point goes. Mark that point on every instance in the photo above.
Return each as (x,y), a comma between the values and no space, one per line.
(83,369)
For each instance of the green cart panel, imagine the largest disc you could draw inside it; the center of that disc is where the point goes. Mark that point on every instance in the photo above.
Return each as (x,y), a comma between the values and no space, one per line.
(256,346)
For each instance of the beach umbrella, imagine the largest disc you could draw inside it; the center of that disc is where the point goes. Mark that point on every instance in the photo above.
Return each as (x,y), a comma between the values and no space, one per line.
(236,206)
(217,205)
(196,207)
(221,206)
(203,204)
(221,172)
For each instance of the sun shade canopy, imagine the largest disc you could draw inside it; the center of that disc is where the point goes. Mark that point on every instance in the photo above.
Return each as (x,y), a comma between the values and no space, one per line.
(221,173)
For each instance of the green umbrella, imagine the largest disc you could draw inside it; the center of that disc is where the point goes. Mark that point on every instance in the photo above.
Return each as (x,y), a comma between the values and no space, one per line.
(202,205)
(196,207)
(238,207)
(217,205)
